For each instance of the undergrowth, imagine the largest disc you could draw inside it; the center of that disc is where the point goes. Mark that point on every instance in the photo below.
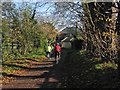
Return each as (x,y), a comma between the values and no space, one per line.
(82,70)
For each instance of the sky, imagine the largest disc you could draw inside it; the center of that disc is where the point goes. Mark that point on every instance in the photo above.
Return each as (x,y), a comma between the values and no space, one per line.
(59,0)
(45,0)
(47,8)
(45,11)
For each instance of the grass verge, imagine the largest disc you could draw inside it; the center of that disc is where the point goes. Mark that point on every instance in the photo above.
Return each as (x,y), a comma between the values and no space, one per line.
(83,71)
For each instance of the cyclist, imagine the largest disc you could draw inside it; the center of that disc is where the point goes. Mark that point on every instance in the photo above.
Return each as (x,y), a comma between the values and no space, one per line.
(57,51)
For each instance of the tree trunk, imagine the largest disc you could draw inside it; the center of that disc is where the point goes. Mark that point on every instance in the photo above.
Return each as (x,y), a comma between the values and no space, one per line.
(118,31)
(113,51)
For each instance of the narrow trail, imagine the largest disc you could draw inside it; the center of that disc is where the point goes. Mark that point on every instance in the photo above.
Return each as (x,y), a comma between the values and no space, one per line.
(46,74)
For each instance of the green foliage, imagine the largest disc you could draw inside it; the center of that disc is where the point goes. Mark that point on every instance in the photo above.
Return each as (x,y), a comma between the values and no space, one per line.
(83,72)
(106,65)
(22,35)
(9,70)
(34,55)
(95,59)
(83,52)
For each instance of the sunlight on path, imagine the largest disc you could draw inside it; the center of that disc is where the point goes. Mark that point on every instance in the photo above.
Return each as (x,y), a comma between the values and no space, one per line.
(38,75)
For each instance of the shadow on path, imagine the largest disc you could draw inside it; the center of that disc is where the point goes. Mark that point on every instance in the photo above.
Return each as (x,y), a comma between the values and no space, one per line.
(54,75)
(41,75)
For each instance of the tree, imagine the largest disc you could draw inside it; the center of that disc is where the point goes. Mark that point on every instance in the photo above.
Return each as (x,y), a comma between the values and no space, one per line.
(21,32)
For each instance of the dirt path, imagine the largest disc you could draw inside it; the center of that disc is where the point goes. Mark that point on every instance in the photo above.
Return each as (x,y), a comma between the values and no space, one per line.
(46,74)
